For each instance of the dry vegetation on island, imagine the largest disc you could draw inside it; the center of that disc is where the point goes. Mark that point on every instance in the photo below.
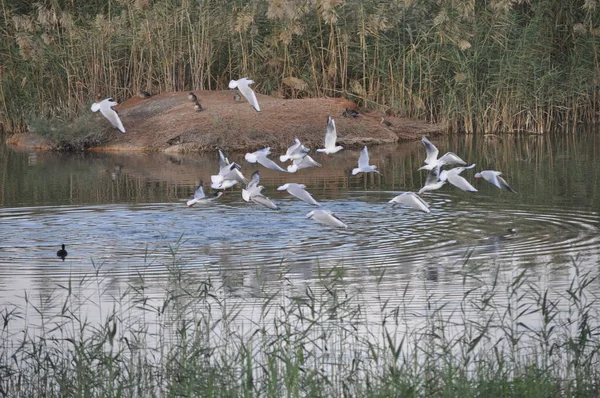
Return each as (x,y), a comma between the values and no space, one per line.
(472,66)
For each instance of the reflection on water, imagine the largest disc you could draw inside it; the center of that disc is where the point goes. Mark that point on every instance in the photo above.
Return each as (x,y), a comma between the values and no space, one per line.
(125,212)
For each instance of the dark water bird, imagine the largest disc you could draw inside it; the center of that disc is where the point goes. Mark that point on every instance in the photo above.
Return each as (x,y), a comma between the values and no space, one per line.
(192,97)
(198,107)
(350,113)
(62,253)
(144,94)
(385,122)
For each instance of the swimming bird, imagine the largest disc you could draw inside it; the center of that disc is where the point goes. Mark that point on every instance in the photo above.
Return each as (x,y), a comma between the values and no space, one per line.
(260,156)
(253,192)
(433,181)
(62,253)
(363,164)
(296,151)
(192,97)
(105,108)
(454,178)
(243,85)
(493,177)
(330,138)
(326,217)
(299,191)
(229,174)
(304,163)
(200,197)
(198,107)
(432,156)
(410,199)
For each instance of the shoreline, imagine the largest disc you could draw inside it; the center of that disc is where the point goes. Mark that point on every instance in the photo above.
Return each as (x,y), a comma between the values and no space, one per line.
(167,122)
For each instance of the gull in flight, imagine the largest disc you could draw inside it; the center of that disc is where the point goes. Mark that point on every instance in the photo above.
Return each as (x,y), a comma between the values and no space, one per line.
(326,217)
(299,191)
(410,199)
(363,164)
(252,192)
(260,156)
(229,174)
(493,177)
(433,181)
(243,85)
(105,108)
(454,178)
(200,197)
(304,163)
(296,151)
(330,138)
(432,160)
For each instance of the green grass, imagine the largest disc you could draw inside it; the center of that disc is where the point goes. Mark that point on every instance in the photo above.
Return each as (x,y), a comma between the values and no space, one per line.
(190,334)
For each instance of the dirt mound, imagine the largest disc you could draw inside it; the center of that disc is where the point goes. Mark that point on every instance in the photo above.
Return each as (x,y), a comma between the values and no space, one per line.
(169,122)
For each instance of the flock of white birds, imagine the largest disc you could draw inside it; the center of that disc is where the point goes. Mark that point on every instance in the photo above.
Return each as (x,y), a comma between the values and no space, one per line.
(230,172)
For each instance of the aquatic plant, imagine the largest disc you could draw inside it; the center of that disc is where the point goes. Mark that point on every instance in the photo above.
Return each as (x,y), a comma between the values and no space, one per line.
(210,334)
(493,66)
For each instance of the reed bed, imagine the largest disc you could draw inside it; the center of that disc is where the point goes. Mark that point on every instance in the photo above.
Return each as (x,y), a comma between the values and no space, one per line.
(476,66)
(191,333)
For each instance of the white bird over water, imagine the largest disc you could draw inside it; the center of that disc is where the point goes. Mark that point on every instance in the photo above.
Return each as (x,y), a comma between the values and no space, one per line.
(253,192)
(326,217)
(454,178)
(299,191)
(432,160)
(433,181)
(330,138)
(105,108)
(493,177)
(304,163)
(410,199)
(260,156)
(363,164)
(229,174)
(296,151)
(243,85)
(200,197)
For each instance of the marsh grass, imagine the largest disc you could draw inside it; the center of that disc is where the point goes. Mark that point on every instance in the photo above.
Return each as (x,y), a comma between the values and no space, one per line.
(78,134)
(476,66)
(190,334)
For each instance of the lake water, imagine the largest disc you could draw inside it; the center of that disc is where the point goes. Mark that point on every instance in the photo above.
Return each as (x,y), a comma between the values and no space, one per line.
(126,212)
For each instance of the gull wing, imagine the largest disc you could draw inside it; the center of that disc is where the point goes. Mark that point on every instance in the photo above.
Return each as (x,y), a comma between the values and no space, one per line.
(243,85)
(326,217)
(412,200)
(450,158)
(268,163)
(504,184)
(363,159)
(199,194)
(330,134)
(460,182)
(223,161)
(298,191)
(430,150)
(264,201)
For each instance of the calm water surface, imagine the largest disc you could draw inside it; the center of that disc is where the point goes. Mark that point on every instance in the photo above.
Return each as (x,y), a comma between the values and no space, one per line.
(125,213)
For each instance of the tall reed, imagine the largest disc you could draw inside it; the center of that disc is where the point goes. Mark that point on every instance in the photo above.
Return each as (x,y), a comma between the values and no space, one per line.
(477,66)
(205,334)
